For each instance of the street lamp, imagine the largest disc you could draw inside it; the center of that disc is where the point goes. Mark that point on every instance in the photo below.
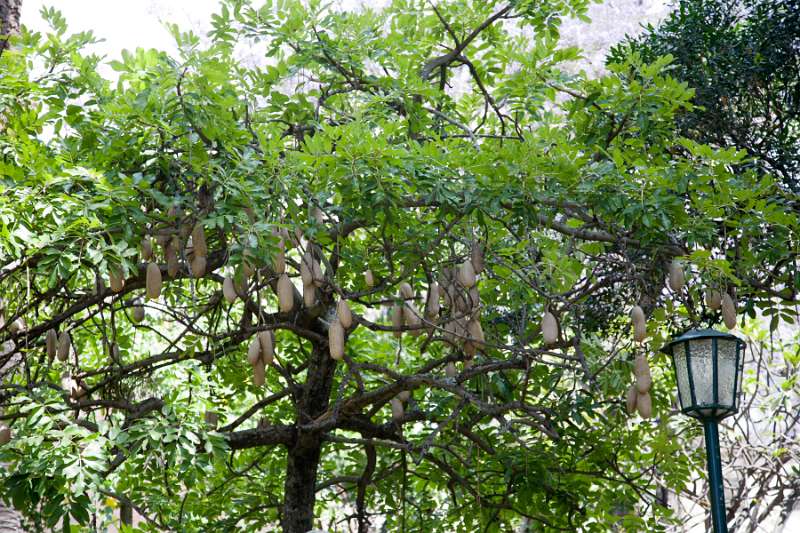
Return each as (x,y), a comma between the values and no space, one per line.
(708,367)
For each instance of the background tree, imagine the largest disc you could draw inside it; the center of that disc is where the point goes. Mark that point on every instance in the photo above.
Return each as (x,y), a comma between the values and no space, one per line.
(196,225)
(741,58)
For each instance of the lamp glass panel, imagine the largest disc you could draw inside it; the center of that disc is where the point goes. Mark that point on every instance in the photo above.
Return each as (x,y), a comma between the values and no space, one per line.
(702,370)
(682,375)
(726,370)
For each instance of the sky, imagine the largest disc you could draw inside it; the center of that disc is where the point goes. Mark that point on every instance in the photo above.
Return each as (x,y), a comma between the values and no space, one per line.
(128,24)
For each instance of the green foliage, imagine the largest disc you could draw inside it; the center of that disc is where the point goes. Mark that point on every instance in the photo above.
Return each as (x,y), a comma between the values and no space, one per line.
(579,191)
(741,58)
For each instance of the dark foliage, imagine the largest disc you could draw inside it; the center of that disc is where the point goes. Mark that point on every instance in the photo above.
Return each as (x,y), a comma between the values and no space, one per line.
(743,59)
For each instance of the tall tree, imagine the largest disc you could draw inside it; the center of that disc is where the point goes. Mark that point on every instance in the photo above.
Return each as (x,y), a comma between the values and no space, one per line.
(741,58)
(336,290)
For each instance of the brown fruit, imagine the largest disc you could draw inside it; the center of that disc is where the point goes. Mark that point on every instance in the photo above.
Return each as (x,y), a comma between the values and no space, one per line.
(200,247)
(254,351)
(64,343)
(198,266)
(476,257)
(406,292)
(644,404)
(369,279)
(473,298)
(115,280)
(171,256)
(5,434)
(728,311)
(713,299)
(639,324)
(549,328)
(397,409)
(266,342)
(466,274)
(17,326)
(147,249)
(316,273)
(153,281)
(475,332)
(413,320)
(115,352)
(138,312)
(336,340)
(641,369)
(228,290)
(404,396)
(450,370)
(306,273)
(309,295)
(317,215)
(344,314)
(397,320)
(630,399)
(285,293)
(259,373)
(51,343)
(432,306)
(677,278)
(279,261)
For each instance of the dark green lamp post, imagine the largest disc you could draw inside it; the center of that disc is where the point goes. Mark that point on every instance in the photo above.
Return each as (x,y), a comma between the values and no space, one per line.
(708,368)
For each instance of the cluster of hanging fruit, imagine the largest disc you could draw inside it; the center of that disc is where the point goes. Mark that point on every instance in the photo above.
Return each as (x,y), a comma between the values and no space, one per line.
(638,395)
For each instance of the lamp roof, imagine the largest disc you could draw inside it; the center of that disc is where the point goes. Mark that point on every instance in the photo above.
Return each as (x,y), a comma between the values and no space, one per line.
(694,334)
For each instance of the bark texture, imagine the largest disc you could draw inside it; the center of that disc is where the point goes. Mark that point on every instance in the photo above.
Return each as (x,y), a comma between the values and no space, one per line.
(9,20)
(304,453)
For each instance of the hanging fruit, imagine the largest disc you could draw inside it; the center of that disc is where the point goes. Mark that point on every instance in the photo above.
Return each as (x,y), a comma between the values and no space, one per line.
(397,321)
(549,329)
(639,324)
(285,293)
(406,292)
(644,404)
(147,249)
(677,279)
(344,314)
(450,370)
(200,248)
(51,344)
(267,345)
(259,373)
(713,299)
(728,311)
(369,279)
(641,369)
(466,274)
(432,302)
(631,399)
(64,343)
(397,409)
(153,281)
(254,351)
(138,312)
(228,290)
(116,280)
(336,340)
(476,257)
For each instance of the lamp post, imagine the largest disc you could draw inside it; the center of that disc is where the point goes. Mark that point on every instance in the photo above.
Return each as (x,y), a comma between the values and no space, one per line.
(708,367)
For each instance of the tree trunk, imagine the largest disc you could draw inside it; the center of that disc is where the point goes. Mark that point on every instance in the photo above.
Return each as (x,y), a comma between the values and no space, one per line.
(303,456)
(9,20)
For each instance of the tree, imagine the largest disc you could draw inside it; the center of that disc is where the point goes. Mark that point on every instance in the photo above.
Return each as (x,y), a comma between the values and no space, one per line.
(741,58)
(348,169)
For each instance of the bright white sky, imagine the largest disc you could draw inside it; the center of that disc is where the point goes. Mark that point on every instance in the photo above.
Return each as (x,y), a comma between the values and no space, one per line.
(128,24)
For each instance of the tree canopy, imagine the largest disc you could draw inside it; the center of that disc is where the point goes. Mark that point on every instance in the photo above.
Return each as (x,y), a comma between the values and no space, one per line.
(741,58)
(431,165)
